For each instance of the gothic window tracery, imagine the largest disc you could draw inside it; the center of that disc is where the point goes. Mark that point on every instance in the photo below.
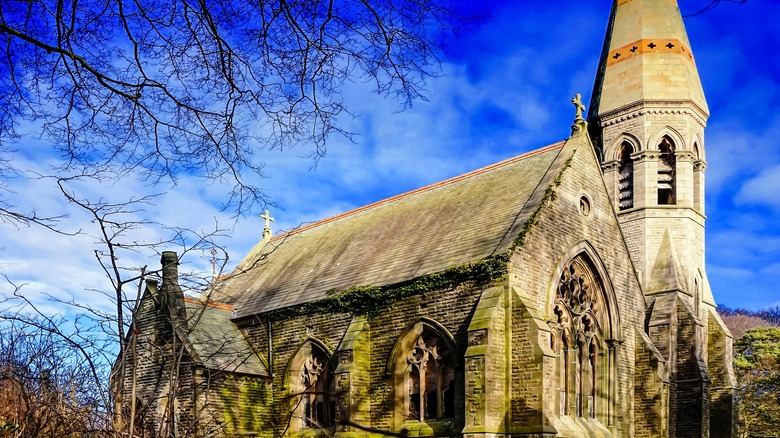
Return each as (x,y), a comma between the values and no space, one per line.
(314,386)
(579,321)
(430,379)
(666,172)
(625,177)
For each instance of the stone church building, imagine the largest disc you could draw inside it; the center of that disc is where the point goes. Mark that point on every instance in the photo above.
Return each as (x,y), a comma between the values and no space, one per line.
(561,292)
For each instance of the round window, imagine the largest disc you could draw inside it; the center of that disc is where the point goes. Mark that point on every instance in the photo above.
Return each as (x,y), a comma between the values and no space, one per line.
(585,205)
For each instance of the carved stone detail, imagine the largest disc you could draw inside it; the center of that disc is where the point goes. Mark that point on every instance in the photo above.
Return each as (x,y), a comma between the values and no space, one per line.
(646,155)
(685,156)
(431,380)
(578,307)
(478,337)
(610,165)
(312,369)
(575,291)
(346,357)
(654,107)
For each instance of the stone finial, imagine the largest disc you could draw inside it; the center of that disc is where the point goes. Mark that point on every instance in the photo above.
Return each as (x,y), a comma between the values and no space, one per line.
(267,226)
(580,125)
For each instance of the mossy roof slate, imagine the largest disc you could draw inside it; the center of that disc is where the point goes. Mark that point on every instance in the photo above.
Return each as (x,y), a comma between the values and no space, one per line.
(427,230)
(216,343)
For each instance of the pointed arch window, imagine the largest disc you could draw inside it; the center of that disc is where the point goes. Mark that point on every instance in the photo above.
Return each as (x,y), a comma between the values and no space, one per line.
(319,407)
(431,379)
(427,378)
(313,388)
(625,177)
(666,172)
(580,320)
(698,178)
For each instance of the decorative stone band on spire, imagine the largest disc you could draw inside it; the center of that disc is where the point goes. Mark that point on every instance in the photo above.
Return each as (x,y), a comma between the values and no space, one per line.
(648,45)
(622,2)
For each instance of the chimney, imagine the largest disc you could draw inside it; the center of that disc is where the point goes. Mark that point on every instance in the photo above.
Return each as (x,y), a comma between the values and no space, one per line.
(170,268)
(172,294)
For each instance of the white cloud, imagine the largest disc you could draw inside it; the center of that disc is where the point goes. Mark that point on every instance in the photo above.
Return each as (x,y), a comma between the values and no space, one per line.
(761,189)
(771,271)
(732,273)
(736,152)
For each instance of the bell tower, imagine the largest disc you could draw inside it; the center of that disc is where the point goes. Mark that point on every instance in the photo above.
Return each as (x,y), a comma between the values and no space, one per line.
(647,117)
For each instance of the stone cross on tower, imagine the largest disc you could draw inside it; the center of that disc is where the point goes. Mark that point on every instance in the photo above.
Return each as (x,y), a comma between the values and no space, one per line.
(267,226)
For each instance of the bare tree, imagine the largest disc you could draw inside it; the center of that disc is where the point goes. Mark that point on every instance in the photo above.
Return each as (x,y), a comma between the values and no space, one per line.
(137,362)
(160,89)
(163,88)
(47,388)
(96,333)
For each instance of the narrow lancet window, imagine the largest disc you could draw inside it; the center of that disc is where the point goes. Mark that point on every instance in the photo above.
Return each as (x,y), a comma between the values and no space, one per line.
(666,173)
(593,370)
(698,178)
(626,177)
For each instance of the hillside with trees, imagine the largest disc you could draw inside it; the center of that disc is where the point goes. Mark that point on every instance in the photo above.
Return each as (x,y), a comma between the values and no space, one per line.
(757,368)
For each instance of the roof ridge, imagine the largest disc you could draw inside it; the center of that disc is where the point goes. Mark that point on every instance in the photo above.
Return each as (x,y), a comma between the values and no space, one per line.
(214,304)
(435,185)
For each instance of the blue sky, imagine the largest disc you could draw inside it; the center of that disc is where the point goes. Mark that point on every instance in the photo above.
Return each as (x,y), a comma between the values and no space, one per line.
(504,89)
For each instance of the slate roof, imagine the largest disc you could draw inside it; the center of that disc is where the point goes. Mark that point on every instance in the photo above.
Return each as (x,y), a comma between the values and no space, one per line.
(427,230)
(216,343)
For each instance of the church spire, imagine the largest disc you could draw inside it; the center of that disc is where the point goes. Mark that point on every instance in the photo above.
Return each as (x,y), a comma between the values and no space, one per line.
(647,117)
(646,58)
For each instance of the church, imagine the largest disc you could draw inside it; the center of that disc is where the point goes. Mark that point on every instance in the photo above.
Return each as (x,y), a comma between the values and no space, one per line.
(561,292)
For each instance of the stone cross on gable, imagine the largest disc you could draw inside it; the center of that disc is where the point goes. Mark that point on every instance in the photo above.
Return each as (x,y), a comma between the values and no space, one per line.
(579,107)
(580,125)
(267,227)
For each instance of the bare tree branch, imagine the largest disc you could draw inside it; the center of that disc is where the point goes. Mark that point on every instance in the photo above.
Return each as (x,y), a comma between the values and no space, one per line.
(712,5)
(162,89)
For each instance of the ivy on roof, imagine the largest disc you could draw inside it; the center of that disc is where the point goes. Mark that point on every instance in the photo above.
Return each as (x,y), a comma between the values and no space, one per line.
(372,300)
